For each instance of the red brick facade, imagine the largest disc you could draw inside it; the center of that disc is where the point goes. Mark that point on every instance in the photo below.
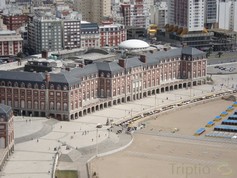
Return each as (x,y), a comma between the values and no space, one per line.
(99,89)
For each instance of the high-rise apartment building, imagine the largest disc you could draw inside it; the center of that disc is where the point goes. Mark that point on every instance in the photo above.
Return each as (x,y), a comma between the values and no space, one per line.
(159,14)
(44,33)
(72,31)
(189,14)
(135,14)
(228,16)
(94,10)
(211,13)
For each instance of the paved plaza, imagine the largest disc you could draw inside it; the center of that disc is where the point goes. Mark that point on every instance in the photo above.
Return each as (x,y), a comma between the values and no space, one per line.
(35,152)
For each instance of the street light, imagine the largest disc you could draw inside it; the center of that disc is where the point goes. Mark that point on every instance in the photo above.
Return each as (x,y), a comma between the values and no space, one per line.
(97,127)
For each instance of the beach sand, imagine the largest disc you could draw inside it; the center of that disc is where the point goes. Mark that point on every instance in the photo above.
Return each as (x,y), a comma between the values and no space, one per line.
(152,156)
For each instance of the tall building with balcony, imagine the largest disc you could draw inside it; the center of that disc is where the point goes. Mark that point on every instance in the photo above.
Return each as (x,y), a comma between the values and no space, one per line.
(10,43)
(72,31)
(211,14)
(112,35)
(159,14)
(45,33)
(135,14)
(228,15)
(94,13)
(90,36)
(189,14)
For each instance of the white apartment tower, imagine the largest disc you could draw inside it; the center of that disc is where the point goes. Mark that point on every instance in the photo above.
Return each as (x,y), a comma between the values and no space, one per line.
(189,14)
(94,10)
(228,16)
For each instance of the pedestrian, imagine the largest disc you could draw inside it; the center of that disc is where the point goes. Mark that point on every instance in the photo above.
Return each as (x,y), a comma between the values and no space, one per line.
(92,139)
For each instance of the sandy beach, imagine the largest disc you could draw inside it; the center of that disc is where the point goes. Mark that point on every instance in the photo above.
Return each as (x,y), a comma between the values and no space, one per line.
(152,156)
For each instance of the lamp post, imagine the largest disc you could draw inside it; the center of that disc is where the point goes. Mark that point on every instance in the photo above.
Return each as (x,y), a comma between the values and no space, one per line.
(96,141)
(97,127)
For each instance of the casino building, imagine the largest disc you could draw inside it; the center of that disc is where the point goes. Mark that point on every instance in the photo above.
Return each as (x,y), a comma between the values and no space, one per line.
(71,94)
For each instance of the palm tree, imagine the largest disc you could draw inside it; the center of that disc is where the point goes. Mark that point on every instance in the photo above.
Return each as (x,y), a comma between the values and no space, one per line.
(220,54)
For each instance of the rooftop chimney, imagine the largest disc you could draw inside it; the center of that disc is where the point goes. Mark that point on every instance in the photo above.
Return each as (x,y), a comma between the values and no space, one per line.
(122,62)
(44,54)
(143,58)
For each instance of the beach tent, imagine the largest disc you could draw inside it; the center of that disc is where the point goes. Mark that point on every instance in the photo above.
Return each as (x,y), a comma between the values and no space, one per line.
(224,113)
(232,117)
(230,108)
(217,118)
(210,123)
(229,122)
(199,131)
(226,128)
(235,104)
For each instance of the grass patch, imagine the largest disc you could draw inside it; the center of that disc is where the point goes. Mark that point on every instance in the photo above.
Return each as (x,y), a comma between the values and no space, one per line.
(66,174)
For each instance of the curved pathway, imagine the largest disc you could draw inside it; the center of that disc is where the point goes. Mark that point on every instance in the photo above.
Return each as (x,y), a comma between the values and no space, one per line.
(46,129)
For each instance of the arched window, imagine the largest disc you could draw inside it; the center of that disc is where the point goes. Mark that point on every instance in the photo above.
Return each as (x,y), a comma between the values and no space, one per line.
(29,104)
(42,86)
(22,104)
(51,105)
(29,85)
(65,106)
(36,105)
(58,106)
(42,105)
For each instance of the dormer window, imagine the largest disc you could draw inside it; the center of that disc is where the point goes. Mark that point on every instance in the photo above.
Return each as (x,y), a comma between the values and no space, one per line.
(22,85)
(36,86)
(9,84)
(51,86)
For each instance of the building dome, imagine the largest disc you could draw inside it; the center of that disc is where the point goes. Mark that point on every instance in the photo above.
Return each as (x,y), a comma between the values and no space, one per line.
(133,44)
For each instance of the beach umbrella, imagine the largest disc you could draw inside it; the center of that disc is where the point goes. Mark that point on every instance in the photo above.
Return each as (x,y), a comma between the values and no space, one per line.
(235,104)
(210,123)
(230,108)
(217,118)
(224,113)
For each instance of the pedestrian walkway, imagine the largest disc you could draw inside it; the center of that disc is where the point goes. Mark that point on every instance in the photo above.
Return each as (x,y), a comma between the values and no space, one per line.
(34,158)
